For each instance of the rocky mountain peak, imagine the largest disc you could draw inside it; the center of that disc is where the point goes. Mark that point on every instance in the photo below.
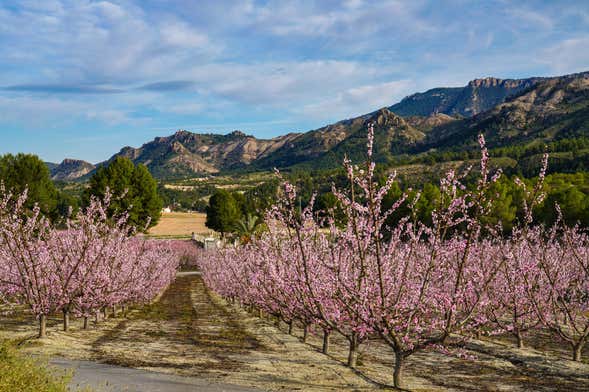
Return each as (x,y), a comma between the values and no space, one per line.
(508,84)
(384,117)
(71,169)
(182,133)
(71,162)
(237,133)
(485,82)
(477,96)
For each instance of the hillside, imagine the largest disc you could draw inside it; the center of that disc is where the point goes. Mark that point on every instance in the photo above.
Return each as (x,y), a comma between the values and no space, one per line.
(477,96)
(70,169)
(392,135)
(553,109)
(185,153)
(510,113)
(550,111)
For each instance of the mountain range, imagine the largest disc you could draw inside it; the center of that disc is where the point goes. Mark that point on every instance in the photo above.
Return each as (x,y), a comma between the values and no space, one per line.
(508,111)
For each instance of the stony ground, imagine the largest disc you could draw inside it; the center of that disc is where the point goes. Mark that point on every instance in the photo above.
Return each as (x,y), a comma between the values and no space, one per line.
(190,331)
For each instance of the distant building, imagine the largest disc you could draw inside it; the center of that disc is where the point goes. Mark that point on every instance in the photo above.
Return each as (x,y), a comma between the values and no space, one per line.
(210,243)
(166,210)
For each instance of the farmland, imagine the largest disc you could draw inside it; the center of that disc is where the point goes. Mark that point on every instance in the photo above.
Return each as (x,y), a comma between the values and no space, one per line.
(180,225)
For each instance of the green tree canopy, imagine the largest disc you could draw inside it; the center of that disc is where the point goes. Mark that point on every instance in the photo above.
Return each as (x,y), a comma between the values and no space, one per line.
(504,194)
(133,189)
(327,205)
(26,171)
(223,212)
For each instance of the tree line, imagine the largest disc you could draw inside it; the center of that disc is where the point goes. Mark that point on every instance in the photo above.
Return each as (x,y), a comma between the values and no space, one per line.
(228,211)
(133,188)
(242,213)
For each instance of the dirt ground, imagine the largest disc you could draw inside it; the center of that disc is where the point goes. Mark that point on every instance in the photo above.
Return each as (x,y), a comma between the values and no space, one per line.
(191,331)
(180,224)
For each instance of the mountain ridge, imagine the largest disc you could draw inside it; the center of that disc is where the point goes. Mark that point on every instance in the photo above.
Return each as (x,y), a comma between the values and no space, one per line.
(506,110)
(477,96)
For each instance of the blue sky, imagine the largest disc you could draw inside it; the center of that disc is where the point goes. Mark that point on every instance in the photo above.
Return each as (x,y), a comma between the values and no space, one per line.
(82,79)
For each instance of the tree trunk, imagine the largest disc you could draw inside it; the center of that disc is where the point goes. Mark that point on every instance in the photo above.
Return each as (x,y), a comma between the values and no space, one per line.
(398,372)
(104,312)
(520,339)
(577,348)
(305,333)
(85,322)
(290,327)
(260,313)
(353,352)
(325,348)
(96,318)
(114,311)
(42,326)
(66,320)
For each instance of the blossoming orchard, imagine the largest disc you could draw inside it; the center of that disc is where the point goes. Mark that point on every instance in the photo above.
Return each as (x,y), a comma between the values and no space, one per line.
(373,274)
(91,264)
(414,286)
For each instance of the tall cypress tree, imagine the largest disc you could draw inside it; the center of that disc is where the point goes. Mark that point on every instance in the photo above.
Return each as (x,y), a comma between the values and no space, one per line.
(223,212)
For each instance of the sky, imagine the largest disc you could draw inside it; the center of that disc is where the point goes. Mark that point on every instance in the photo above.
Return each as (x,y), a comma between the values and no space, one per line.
(81,79)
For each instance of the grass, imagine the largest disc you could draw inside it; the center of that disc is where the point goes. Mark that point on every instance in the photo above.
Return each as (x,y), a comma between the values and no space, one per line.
(180,225)
(25,374)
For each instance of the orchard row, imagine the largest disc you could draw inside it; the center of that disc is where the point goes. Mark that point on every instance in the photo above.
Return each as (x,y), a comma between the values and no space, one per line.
(89,263)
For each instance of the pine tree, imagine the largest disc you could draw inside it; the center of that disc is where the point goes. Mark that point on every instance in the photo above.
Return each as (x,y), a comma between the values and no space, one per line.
(134,190)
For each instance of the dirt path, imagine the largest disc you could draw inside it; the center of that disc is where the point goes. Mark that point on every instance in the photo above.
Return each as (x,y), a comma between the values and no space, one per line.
(109,378)
(190,331)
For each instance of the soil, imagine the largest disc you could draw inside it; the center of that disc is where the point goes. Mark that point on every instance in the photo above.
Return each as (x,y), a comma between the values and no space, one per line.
(180,224)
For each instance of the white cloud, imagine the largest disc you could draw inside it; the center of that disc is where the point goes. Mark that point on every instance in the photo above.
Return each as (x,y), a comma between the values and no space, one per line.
(51,112)
(359,100)
(87,41)
(109,117)
(46,110)
(526,17)
(282,83)
(181,35)
(348,23)
(184,108)
(569,55)
(109,10)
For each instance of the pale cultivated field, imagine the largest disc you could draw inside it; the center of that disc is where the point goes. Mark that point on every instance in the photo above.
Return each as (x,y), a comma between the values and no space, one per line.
(180,224)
